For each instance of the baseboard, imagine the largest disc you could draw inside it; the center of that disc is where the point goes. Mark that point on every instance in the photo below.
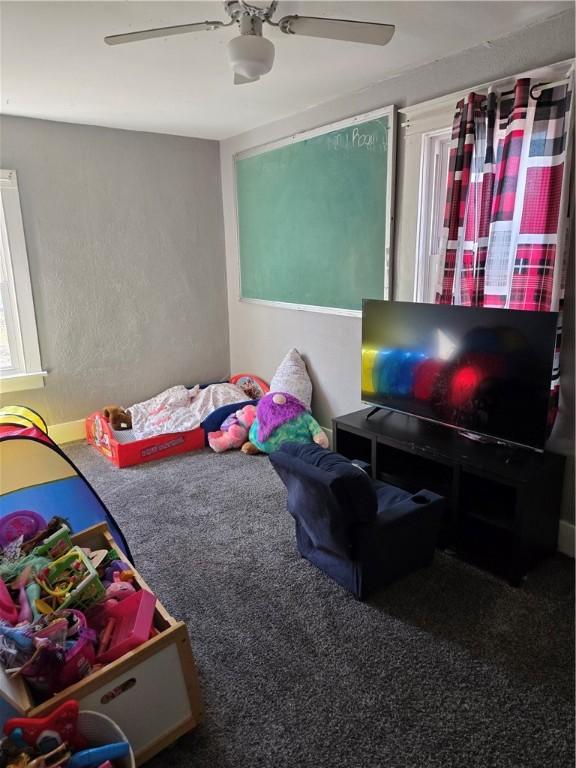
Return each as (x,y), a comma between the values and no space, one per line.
(68,431)
(566,533)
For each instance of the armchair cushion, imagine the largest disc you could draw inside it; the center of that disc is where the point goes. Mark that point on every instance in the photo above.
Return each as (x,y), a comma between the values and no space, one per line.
(387,495)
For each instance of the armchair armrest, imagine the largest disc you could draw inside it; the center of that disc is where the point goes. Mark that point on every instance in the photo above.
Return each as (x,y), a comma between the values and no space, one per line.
(363,465)
(402,538)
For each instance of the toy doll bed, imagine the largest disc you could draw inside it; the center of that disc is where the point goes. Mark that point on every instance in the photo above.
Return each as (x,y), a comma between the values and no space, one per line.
(124,449)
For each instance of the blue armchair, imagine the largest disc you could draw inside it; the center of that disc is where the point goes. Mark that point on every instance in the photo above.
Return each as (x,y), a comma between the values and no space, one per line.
(362,533)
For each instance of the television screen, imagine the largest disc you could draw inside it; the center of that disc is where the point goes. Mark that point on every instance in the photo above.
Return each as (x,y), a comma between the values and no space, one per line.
(486,371)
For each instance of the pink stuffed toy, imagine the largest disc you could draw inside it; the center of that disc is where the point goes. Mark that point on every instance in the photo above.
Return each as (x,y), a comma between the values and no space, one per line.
(234,431)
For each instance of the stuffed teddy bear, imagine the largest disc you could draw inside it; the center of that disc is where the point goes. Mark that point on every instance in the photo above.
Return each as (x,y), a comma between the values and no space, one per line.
(282,418)
(234,430)
(117,417)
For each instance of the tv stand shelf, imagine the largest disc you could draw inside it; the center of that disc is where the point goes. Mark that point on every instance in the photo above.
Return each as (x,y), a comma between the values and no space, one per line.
(503,501)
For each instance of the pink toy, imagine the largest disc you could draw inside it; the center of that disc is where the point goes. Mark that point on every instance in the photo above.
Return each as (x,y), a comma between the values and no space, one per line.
(126,625)
(24,522)
(119,589)
(64,653)
(8,610)
(234,431)
(25,613)
(78,659)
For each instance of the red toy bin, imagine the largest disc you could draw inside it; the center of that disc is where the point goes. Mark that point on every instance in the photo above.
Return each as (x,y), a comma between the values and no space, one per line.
(125,452)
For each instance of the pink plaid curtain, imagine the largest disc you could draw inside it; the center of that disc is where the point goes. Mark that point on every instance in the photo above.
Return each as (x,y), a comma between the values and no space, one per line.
(504,231)
(505,226)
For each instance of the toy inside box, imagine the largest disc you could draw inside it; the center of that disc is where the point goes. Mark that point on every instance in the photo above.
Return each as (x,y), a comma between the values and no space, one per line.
(78,621)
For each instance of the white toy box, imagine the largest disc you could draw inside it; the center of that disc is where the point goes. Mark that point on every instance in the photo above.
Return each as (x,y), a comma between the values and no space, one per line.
(152,692)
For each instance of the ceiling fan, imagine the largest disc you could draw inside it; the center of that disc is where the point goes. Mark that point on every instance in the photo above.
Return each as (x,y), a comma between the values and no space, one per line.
(252,55)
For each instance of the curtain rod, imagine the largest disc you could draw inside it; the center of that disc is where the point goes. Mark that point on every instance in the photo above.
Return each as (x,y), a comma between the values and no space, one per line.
(540,87)
(546,86)
(415,110)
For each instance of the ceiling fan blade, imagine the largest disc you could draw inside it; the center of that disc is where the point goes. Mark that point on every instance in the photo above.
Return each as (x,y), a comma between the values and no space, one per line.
(338,29)
(146,34)
(241,79)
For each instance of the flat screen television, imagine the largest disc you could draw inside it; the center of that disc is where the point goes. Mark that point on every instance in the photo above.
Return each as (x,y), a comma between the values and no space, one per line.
(482,371)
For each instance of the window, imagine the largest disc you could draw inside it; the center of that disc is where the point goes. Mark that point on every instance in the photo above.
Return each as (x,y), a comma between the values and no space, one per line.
(20,366)
(432,201)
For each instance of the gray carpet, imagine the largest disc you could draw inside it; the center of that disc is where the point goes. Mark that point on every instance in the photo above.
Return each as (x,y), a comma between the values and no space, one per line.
(447,668)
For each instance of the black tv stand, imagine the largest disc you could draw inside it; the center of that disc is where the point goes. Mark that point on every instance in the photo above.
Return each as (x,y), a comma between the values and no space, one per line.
(503,500)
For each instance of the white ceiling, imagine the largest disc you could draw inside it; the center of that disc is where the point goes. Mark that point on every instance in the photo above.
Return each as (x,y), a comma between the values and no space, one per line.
(56,66)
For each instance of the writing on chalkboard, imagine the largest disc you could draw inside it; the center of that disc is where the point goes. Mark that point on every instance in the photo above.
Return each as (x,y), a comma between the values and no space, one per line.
(356,138)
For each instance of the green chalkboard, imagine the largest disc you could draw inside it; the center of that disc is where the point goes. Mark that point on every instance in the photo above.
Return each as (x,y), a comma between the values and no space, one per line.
(314,216)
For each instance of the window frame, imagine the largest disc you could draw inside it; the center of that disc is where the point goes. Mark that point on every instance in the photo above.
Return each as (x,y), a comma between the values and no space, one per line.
(26,369)
(434,159)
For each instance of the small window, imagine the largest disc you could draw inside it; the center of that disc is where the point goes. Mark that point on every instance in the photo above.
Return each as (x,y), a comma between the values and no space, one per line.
(431,205)
(20,366)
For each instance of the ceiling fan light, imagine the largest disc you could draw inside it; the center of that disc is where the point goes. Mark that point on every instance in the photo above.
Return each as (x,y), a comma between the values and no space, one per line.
(250,55)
